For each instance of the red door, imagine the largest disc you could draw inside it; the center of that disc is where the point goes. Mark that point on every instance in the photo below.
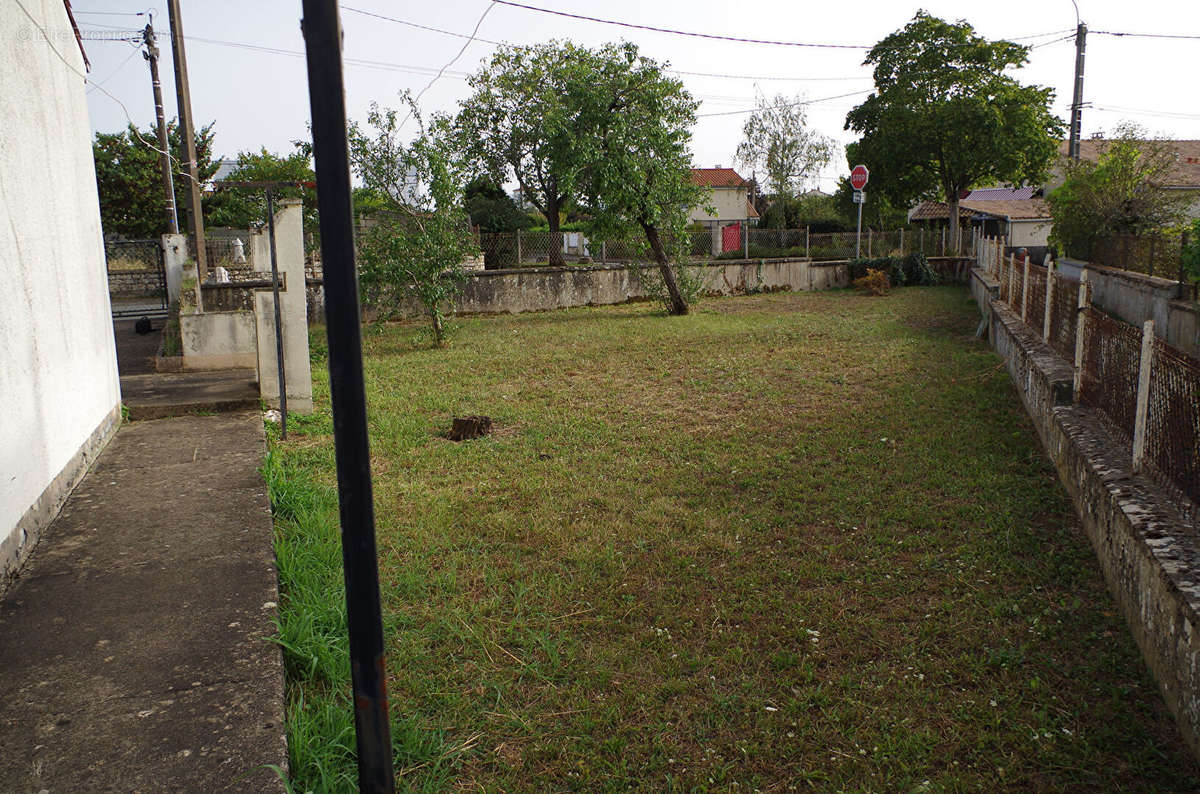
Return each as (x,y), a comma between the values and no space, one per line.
(731,237)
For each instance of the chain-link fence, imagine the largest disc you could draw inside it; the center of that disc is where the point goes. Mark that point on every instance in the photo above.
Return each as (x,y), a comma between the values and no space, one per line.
(1152,254)
(532,248)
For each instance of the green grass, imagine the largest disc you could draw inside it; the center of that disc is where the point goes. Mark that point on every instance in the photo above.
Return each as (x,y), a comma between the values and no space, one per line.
(789,541)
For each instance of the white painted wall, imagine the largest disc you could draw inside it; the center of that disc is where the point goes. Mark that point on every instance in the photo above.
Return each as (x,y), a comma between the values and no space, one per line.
(58,368)
(730,204)
(1029,233)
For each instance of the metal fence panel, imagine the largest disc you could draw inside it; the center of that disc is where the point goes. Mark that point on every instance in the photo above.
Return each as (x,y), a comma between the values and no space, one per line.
(1173,419)
(1111,355)
(1064,313)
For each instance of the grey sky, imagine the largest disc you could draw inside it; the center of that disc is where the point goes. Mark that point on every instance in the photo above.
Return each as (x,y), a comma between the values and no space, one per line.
(259,98)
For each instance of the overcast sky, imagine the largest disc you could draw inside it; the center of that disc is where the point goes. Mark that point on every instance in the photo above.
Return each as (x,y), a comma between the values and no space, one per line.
(259,98)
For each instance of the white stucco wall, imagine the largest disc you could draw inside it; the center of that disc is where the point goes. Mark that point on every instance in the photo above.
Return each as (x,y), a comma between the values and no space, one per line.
(58,369)
(730,204)
(1029,233)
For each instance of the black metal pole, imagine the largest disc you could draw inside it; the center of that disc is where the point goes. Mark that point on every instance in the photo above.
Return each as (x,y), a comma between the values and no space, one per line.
(322,40)
(279,368)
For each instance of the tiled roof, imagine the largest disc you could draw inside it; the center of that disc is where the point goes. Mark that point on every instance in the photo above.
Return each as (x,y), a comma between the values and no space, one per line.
(1002,194)
(717,177)
(1186,172)
(1013,209)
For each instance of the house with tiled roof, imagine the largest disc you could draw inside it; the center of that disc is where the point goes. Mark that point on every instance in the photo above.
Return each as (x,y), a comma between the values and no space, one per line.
(1021,222)
(728,198)
(1184,177)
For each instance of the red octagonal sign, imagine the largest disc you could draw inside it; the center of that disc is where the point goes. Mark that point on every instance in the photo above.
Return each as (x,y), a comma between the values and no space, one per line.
(858,177)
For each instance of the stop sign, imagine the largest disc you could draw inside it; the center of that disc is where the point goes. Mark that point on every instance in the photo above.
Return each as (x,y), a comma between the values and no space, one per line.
(858,177)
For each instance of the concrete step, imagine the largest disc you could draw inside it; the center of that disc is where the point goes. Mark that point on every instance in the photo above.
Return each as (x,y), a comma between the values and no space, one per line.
(165,394)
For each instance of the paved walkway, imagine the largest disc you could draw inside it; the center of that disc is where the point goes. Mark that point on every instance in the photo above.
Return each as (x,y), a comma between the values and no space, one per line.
(133,651)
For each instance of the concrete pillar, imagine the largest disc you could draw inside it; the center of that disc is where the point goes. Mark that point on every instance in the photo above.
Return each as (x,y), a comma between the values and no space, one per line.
(289,249)
(174,255)
(258,249)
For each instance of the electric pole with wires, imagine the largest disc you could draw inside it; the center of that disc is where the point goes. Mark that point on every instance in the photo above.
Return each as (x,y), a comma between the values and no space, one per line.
(188,137)
(164,151)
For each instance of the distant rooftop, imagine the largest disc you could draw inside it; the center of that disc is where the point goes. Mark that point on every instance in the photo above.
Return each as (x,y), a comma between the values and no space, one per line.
(1186,173)
(717,177)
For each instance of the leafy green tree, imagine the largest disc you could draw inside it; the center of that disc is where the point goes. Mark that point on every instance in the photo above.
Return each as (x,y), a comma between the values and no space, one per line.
(421,236)
(496,216)
(777,141)
(242,208)
(635,128)
(1119,193)
(522,121)
(129,179)
(945,116)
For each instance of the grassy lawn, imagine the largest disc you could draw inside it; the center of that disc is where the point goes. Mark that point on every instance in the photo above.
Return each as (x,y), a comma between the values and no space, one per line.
(791,541)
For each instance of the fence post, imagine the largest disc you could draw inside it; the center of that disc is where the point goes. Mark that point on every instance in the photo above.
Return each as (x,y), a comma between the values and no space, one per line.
(922,239)
(604,252)
(1012,278)
(1085,298)
(1183,244)
(518,247)
(745,240)
(808,253)
(943,241)
(901,242)
(1025,293)
(1049,298)
(1143,396)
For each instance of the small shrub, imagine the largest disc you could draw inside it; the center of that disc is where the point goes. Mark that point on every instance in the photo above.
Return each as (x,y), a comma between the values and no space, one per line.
(918,272)
(874,283)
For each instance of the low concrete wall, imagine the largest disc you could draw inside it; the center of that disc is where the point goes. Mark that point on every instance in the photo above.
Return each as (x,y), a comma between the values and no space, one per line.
(218,340)
(1149,551)
(1135,298)
(531,289)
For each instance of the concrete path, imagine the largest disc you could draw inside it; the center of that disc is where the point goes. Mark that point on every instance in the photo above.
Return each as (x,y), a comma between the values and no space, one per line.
(163,394)
(133,650)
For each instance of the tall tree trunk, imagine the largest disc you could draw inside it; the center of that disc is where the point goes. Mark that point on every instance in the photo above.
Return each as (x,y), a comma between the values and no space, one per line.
(678,304)
(556,255)
(955,229)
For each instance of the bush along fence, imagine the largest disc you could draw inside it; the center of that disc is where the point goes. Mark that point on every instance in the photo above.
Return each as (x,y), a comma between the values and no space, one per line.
(1157,254)
(1146,392)
(502,250)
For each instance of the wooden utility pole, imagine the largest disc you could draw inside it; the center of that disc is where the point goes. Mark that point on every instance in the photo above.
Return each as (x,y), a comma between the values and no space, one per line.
(188,136)
(164,150)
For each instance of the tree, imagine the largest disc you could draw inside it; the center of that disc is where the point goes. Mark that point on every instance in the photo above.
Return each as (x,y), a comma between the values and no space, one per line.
(635,130)
(945,117)
(522,122)
(242,208)
(422,235)
(129,178)
(1119,193)
(776,140)
(496,216)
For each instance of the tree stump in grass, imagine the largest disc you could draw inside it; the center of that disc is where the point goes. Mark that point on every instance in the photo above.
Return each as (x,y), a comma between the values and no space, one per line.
(469,427)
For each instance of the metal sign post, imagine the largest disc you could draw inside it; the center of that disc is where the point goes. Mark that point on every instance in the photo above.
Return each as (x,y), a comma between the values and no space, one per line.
(858,181)
(859,198)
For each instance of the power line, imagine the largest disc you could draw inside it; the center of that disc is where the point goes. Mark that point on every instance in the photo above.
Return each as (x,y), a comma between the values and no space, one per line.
(784,105)
(1135,35)
(719,37)
(672,31)
(420,26)
(452,61)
